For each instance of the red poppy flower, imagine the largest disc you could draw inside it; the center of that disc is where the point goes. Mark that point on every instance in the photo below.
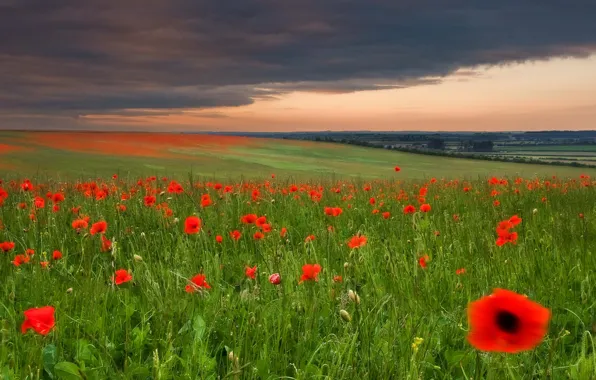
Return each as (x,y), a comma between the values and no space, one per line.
(397,168)
(338,278)
(121,276)
(41,320)
(386,215)
(20,259)
(44,264)
(98,228)
(29,252)
(149,200)
(260,221)
(6,246)
(357,241)
(39,202)
(58,197)
(219,239)
(251,272)
(106,244)
(409,209)
(496,203)
(56,255)
(121,208)
(506,322)
(310,272)
(283,232)
(309,238)
(423,261)
(425,207)
(275,279)
(235,235)
(206,200)
(460,271)
(192,225)
(80,224)
(333,211)
(197,282)
(249,219)
(515,220)
(258,235)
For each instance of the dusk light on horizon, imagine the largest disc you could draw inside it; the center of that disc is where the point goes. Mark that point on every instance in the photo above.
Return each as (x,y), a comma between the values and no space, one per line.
(297,66)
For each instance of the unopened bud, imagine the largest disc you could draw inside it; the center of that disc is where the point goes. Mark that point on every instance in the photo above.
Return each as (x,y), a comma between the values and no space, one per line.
(353,296)
(138,258)
(345,315)
(69,290)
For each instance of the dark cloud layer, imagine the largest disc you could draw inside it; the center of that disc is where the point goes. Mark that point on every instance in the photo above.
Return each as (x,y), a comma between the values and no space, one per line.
(71,57)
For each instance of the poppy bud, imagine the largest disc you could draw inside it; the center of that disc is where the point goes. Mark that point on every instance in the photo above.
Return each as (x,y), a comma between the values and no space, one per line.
(346,265)
(535,211)
(69,290)
(345,315)
(353,296)
(138,258)
(275,279)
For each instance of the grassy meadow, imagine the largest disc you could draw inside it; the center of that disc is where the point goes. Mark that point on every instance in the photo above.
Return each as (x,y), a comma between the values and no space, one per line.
(336,267)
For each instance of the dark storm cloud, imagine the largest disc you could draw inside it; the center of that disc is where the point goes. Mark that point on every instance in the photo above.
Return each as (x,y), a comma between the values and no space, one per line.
(72,57)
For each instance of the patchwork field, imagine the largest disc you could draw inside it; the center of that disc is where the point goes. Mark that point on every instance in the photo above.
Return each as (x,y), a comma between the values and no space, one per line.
(84,155)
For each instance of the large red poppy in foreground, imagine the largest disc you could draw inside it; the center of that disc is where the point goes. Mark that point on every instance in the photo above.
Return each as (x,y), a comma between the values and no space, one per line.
(506,322)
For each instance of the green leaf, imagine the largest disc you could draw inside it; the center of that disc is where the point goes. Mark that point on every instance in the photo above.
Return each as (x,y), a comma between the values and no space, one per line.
(67,371)
(49,359)
(199,326)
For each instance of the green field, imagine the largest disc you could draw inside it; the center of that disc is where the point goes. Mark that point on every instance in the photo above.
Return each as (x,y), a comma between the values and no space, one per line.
(66,157)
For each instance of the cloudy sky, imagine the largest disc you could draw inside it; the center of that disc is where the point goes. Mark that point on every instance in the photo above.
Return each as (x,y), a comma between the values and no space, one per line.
(266,65)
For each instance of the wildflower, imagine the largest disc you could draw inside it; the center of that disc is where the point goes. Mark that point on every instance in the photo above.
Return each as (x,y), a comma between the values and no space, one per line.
(310,272)
(417,342)
(357,242)
(6,246)
(41,320)
(80,224)
(20,259)
(39,202)
(409,209)
(275,279)
(460,271)
(258,235)
(206,200)
(423,261)
(249,219)
(149,200)
(121,276)
(235,235)
(338,279)
(506,322)
(283,232)
(44,264)
(192,225)
(197,282)
(397,168)
(309,238)
(99,227)
(425,207)
(29,252)
(386,215)
(251,272)
(106,244)
(219,239)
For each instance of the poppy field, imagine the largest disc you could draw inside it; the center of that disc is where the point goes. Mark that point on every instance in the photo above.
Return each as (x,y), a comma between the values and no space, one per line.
(182,278)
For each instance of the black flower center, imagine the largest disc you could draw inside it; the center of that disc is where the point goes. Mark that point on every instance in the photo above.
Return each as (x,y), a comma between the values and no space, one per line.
(507,321)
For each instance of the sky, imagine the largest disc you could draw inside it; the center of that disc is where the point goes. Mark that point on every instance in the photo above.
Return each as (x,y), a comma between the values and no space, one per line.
(297,65)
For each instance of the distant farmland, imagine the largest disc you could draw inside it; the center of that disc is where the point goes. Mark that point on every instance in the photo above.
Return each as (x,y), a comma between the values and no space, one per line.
(88,154)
